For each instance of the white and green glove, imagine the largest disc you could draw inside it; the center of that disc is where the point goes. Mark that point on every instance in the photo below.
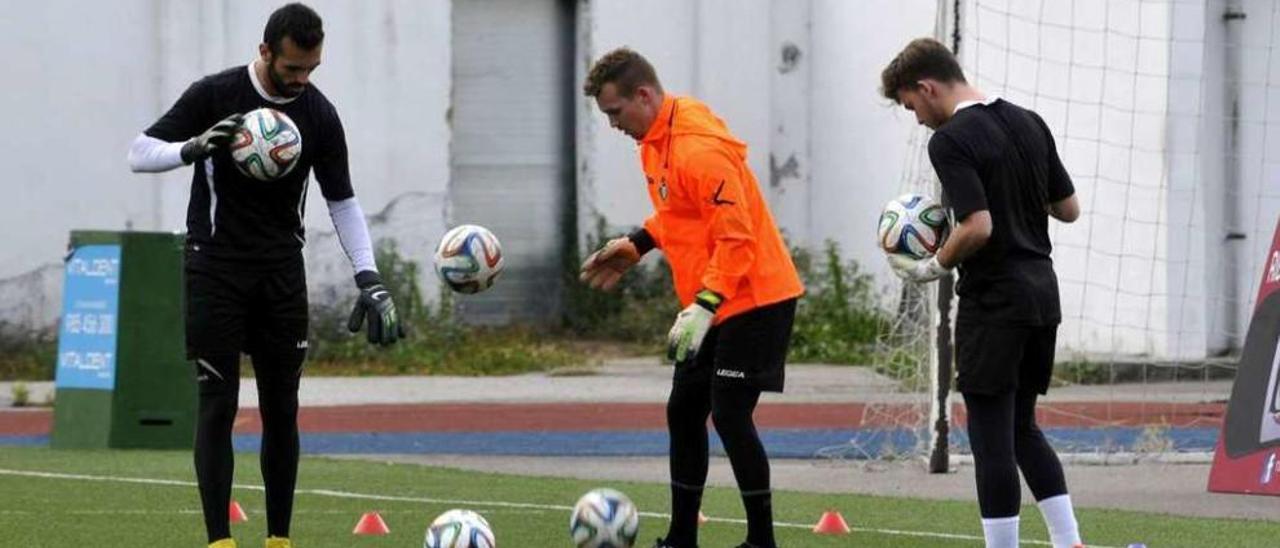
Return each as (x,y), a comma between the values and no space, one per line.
(692,324)
(918,270)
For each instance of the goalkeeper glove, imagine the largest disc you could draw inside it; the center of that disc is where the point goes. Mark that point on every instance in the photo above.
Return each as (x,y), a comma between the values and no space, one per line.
(692,324)
(217,136)
(604,268)
(918,270)
(376,304)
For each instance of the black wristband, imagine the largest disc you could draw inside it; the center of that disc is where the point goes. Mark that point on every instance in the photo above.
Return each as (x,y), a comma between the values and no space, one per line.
(642,240)
(709,300)
(188,152)
(367,278)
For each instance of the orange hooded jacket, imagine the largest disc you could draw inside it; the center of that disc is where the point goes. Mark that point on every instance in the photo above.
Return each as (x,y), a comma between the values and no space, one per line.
(710,219)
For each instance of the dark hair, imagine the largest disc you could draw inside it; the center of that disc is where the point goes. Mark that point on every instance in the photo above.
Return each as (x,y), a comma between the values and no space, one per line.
(625,68)
(296,21)
(922,58)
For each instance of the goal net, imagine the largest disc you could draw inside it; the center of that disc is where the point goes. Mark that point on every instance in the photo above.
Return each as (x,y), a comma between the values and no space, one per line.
(1166,113)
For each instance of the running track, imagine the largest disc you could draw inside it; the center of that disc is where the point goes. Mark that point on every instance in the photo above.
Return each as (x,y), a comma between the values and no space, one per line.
(593,429)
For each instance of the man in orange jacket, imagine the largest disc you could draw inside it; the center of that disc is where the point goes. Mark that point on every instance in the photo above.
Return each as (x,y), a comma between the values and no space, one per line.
(732,274)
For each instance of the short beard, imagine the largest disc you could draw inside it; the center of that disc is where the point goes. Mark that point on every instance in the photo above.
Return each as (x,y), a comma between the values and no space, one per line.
(281,87)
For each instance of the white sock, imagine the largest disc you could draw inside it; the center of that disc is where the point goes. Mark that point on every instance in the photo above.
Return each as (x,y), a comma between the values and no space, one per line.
(1061,521)
(1001,532)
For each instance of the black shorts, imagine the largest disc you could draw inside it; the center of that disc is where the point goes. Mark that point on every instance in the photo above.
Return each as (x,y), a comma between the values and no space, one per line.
(231,309)
(994,359)
(748,349)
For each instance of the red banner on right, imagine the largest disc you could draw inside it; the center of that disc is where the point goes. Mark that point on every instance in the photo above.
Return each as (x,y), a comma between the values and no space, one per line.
(1247,456)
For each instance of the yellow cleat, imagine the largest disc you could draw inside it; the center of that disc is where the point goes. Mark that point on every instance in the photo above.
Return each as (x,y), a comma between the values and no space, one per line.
(278,542)
(224,543)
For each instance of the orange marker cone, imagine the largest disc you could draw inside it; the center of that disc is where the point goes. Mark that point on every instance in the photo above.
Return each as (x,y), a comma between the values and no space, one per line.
(702,518)
(370,524)
(236,513)
(831,523)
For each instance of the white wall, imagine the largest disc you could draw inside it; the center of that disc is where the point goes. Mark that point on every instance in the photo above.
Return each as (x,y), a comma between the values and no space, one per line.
(1259,151)
(861,142)
(696,51)
(1133,96)
(789,182)
(88,76)
(839,136)
(1132,91)
(1195,158)
(1138,96)
(68,125)
(387,70)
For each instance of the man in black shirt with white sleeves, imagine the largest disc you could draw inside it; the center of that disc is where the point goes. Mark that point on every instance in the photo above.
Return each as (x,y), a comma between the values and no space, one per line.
(245,279)
(1003,179)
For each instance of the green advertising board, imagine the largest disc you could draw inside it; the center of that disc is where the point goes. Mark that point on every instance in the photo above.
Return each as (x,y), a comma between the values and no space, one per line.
(122,379)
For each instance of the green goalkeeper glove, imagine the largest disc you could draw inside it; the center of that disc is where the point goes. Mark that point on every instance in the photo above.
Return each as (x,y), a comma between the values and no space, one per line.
(692,324)
(376,304)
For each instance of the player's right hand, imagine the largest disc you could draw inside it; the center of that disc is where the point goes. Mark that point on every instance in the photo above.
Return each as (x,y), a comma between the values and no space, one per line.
(917,270)
(604,268)
(217,136)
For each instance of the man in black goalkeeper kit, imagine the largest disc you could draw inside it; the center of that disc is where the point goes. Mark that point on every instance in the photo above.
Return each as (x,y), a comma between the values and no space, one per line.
(245,278)
(999,167)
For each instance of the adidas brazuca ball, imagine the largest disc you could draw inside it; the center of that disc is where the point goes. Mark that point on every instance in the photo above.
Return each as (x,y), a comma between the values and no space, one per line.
(459,529)
(912,225)
(267,145)
(604,518)
(469,259)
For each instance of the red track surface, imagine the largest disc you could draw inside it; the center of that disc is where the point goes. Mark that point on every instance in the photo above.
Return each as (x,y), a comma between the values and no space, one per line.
(650,416)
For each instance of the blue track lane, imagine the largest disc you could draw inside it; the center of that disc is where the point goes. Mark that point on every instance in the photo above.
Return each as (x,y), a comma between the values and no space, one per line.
(780,443)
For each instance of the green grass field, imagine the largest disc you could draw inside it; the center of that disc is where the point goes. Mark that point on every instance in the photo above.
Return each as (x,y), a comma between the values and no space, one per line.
(131,498)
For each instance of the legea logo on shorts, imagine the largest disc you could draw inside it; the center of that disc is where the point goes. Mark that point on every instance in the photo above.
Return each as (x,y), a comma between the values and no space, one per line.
(730,373)
(1273,275)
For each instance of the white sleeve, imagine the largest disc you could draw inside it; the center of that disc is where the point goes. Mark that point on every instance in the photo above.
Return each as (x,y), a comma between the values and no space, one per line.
(353,233)
(150,155)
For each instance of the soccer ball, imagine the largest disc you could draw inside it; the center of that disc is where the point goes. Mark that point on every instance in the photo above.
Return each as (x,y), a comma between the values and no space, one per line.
(604,518)
(267,145)
(469,259)
(459,529)
(912,225)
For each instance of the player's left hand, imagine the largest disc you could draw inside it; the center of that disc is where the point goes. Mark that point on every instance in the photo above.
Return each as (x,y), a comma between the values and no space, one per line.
(692,324)
(375,303)
(917,270)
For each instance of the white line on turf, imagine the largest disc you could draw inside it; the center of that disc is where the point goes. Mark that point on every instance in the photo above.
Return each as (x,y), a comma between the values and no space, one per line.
(197,511)
(479,503)
(114,479)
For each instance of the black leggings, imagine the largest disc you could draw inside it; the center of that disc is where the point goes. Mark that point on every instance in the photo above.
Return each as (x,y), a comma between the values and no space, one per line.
(215,464)
(730,407)
(1004,438)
